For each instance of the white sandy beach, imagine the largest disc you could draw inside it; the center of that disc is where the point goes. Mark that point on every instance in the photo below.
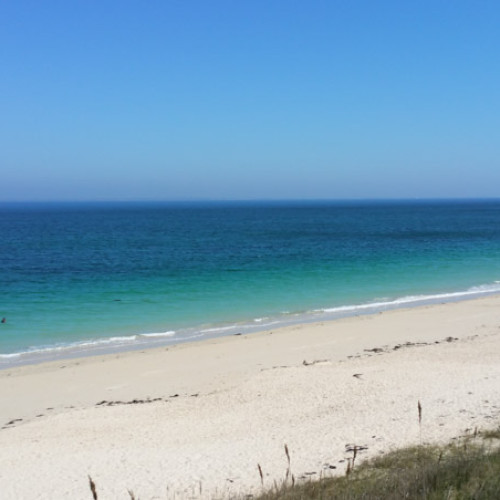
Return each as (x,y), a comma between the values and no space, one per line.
(228,404)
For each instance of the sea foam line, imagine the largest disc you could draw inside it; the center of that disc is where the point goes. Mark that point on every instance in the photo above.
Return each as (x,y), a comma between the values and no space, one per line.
(415,299)
(257,324)
(170,333)
(86,344)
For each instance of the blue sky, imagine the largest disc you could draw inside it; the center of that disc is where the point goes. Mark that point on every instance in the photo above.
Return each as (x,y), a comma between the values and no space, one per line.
(168,100)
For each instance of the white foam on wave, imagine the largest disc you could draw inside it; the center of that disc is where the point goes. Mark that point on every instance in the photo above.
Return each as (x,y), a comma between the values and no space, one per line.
(74,346)
(415,299)
(12,355)
(130,338)
(257,324)
(170,333)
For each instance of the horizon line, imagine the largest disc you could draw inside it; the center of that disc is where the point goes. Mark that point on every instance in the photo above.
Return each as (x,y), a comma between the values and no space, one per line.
(249,200)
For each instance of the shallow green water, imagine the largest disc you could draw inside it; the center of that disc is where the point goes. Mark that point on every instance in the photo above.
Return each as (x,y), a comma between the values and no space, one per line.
(81,277)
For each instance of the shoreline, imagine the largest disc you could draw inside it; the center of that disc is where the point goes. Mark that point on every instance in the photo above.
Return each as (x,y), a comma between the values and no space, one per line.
(144,341)
(207,412)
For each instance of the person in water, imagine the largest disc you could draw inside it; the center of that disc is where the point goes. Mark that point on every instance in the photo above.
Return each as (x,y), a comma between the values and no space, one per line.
(4,320)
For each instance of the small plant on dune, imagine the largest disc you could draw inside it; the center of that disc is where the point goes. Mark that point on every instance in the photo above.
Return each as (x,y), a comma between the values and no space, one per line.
(93,488)
(261,475)
(350,461)
(419,407)
(288,470)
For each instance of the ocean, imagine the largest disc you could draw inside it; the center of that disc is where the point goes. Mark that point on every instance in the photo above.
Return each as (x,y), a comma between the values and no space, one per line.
(88,278)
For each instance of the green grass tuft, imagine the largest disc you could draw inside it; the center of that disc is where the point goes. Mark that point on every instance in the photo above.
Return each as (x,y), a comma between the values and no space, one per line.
(491,434)
(455,472)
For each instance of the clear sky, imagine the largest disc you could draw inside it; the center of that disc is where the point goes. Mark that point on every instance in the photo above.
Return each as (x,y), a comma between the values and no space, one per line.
(249,99)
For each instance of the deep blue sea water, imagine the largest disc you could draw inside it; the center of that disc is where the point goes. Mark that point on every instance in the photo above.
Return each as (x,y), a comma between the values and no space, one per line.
(82,278)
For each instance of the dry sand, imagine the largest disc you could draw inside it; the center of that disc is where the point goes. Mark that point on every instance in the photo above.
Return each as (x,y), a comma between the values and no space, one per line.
(228,404)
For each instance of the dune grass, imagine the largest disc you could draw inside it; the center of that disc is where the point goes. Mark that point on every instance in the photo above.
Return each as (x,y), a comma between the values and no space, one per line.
(467,469)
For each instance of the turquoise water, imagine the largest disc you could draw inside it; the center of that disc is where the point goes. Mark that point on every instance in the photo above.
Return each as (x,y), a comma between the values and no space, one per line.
(83,278)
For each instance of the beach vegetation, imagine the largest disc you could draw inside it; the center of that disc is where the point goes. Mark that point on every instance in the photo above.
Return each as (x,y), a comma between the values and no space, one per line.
(467,468)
